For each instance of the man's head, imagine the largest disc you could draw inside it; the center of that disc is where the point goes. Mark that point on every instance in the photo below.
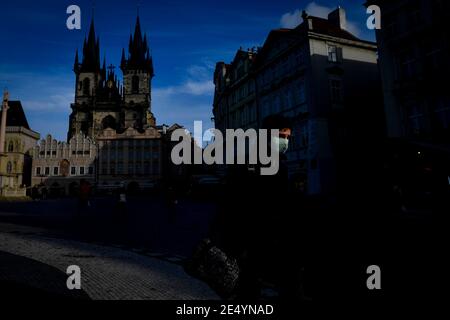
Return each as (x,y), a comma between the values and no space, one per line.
(283,124)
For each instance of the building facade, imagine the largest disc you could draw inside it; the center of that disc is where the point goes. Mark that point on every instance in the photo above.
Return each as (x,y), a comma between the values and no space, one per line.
(318,74)
(413,43)
(16,140)
(132,159)
(58,167)
(113,139)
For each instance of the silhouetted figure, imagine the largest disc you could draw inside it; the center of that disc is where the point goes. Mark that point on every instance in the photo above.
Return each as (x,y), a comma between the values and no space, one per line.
(258,225)
(120,210)
(84,194)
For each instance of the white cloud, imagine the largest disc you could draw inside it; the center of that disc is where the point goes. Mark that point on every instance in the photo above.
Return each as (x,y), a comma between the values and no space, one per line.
(353,28)
(317,10)
(293,19)
(198,82)
(189,101)
(190,87)
(53,103)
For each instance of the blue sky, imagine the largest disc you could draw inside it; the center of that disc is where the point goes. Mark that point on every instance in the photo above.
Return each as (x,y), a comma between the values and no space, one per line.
(187,38)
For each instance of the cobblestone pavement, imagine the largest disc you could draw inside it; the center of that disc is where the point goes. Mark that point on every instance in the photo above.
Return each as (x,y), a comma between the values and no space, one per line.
(107,273)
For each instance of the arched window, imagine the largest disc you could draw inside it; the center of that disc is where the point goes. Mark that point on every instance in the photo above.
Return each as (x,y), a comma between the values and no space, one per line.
(109,122)
(9,167)
(135,84)
(87,87)
(11,146)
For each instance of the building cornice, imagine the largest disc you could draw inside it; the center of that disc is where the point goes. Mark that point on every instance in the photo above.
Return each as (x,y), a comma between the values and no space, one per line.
(30,133)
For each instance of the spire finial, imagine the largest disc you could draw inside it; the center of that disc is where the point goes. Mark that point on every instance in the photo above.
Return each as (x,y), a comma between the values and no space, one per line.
(93,9)
(5,98)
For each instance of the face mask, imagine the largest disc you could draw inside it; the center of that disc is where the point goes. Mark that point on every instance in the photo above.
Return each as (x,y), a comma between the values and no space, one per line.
(280,144)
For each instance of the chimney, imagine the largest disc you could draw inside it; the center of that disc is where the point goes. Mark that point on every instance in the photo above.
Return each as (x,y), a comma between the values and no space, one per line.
(338,18)
(307,19)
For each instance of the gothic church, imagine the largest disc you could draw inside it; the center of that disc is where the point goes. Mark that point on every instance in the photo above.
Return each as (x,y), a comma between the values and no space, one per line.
(101,101)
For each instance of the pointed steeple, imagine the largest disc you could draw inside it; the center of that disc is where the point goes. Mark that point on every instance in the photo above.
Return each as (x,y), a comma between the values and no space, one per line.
(123,61)
(104,68)
(76,64)
(139,53)
(137,30)
(91,51)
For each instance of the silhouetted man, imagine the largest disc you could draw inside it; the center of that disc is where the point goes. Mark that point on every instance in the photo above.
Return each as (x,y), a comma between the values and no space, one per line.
(259,225)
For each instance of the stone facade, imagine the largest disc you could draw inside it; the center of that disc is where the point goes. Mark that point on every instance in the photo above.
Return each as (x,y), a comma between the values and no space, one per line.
(15,160)
(59,167)
(130,159)
(413,49)
(101,101)
(319,75)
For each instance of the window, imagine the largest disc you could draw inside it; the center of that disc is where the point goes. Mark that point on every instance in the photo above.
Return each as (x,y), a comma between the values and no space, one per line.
(300,95)
(332,54)
(91,171)
(9,168)
(55,171)
(73,171)
(38,171)
(135,84)
(155,168)
(11,147)
(336,90)
(47,171)
(147,167)
(407,64)
(276,104)
(87,87)
(416,117)
(130,153)
(138,168)
(130,168)
(82,171)
(120,168)
(433,56)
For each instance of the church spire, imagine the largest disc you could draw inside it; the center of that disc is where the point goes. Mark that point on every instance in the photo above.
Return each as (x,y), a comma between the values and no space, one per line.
(139,58)
(91,51)
(123,61)
(76,64)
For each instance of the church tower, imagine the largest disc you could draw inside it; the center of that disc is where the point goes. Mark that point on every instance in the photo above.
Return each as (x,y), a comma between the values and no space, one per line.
(138,73)
(89,79)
